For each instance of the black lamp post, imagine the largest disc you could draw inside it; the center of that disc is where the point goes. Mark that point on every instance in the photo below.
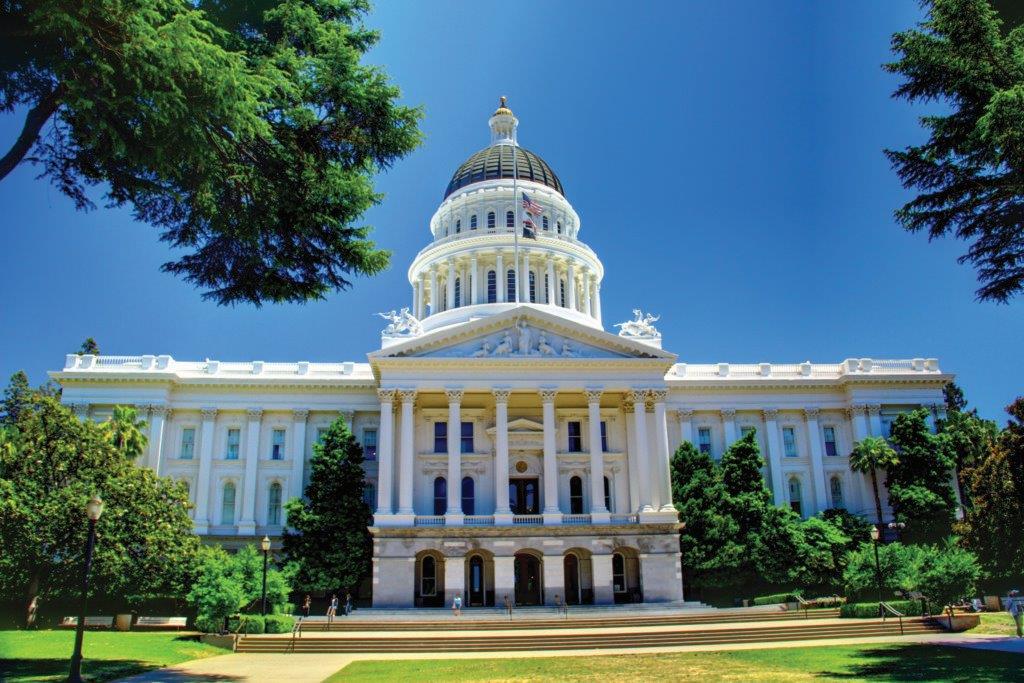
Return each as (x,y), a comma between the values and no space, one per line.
(876,534)
(265,545)
(93,510)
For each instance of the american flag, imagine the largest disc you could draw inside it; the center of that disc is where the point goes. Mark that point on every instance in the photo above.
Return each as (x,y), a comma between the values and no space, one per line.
(529,229)
(532,207)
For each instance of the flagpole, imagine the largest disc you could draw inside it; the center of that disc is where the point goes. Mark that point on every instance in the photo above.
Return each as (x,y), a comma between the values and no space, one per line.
(515,214)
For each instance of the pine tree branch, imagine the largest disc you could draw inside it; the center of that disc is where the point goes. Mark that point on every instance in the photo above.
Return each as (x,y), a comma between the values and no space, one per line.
(34,122)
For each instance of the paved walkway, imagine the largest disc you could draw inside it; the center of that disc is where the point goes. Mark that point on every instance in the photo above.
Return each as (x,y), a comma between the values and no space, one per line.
(314,668)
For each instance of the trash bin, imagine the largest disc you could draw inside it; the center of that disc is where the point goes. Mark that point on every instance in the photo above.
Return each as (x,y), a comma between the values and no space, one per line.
(123,622)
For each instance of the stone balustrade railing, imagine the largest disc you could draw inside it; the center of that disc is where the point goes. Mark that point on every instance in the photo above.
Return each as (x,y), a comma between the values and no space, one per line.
(850,367)
(147,363)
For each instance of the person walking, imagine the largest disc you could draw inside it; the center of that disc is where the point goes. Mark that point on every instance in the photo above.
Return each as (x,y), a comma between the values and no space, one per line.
(306,604)
(332,609)
(348,603)
(508,606)
(1016,610)
(457,606)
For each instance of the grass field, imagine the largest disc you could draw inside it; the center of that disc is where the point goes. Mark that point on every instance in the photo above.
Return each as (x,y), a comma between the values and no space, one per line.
(37,656)
(996,624)
(839,663)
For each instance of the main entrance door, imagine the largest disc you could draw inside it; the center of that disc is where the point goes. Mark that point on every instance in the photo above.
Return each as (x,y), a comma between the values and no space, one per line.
(524,496)
(527,577)
(476,581)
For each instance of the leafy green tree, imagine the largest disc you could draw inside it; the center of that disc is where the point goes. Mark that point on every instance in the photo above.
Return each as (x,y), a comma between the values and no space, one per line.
(229,584)
(920,483)
(329,542)
(871,454)
(948,574)
(900,565)
(968,171)
(125,432)
(854,527)
(90,347)
(247,133)
(954,397)
(17,397)
(969,439)
(995,485)
(51,465)
(708,544)
(822,553)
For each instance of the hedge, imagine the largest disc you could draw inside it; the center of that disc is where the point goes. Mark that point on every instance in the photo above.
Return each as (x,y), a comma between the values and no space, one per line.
(246,623)
(865,610)
(209,624)
(775,599)
(279,623)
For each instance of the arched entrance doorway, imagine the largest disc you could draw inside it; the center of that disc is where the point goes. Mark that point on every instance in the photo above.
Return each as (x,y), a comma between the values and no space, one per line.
(626,584)
(578,573)
(480,579)
(529,590)
(429,575)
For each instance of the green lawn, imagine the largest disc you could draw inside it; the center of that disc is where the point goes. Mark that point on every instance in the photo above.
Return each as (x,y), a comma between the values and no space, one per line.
(842,663)
(995,623)
(35,656)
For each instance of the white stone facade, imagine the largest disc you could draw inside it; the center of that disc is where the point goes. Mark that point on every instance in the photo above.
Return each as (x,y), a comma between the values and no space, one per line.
(514,446)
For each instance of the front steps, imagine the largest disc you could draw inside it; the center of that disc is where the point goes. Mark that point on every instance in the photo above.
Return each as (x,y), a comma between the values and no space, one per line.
(442,639)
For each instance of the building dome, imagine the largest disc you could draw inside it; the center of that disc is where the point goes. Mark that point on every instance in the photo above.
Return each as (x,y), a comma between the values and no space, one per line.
(496,162)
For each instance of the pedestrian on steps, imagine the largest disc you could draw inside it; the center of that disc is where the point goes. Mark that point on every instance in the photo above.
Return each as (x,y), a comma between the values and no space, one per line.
(306,604)
(348,603)
(332,609)
(457,606)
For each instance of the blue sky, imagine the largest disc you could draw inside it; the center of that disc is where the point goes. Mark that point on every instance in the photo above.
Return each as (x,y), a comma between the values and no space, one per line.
(725,159)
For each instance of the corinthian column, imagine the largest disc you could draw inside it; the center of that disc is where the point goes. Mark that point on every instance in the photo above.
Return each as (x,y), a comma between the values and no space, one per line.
(661,436)
(158,418)
(771,428)
(817,467)
(598,510)
(454,512)
(502,512)
(247,525)
(638,398)
(298,453)
(406,472)
(385,455)
(552,513)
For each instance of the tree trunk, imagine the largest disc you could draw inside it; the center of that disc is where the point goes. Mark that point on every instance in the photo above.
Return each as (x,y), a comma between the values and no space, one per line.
(31,604)
(878,499)
(34,121)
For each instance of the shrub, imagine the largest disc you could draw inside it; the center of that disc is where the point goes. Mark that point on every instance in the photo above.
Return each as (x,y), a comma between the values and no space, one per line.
(247,623)
(279,623)
(867,610)
(776,598)
(209,624)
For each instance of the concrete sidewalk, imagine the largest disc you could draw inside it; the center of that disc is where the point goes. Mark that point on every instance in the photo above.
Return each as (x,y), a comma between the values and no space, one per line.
(314,668)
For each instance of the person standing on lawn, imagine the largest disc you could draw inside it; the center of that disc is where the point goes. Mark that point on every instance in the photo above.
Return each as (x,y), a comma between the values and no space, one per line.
(1016,610)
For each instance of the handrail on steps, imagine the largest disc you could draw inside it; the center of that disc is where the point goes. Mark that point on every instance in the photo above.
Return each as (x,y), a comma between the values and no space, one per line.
(886,609)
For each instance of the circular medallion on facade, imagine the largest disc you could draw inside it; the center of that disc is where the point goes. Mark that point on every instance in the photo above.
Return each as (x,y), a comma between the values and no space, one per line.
(521,466)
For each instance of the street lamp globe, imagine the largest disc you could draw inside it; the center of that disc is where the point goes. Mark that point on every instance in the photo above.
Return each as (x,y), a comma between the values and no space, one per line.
(875,533)
(265,544)
(94,508)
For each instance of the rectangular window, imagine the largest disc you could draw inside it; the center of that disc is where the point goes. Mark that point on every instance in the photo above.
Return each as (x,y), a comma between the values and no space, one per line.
(789,442)
(604,436)
(830,441)
(704,440)
(234,438)
(370,494)
(467,437)
(575,438)
(370,444)
(440,437)
(277,445)
(188,443)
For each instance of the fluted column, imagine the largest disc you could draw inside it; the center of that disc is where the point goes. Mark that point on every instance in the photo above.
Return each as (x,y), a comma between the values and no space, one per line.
(570,277)
(858,420)
(552,288)
(552,513)
(454,512)
(247,525)
(385,454)
(597,300)
(407,466)
(664,479)
(586,291)
(500,278)
(157,419)
(474,280)
(771,428)
(416,297)
(598,510)
(298,454)
(817,466)
(434,308)
(450,285)
(638,397)
(202,516)
(421,306)
(524,288)
(502,512)
(685,425)
(875,420)
(729,425)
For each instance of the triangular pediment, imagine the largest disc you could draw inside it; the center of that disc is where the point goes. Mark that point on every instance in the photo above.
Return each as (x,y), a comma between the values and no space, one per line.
(523,424)
(523,333)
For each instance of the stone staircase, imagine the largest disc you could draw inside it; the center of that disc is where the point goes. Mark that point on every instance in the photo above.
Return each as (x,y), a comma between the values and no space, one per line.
(590,633)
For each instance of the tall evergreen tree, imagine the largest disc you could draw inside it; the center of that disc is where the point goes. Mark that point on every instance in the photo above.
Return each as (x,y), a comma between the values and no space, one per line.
(90,347)
(920,484)
(17,397)
(871,454)
(329,539)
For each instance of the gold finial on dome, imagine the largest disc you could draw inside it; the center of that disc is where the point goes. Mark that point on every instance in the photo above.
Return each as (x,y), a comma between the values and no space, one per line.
(502,108)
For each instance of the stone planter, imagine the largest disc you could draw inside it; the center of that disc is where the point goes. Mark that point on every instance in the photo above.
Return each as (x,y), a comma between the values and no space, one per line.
(123,622)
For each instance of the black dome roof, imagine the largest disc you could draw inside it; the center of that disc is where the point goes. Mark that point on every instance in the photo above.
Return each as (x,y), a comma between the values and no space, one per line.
(496,162)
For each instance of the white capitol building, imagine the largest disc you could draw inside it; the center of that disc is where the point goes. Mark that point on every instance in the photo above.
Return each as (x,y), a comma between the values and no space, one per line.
(514,446)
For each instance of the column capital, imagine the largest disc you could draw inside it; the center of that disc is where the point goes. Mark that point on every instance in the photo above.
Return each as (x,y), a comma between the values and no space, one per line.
(635,396)
(874,409)
(728,413)
(858,407)
(593,395)
(548,395)
(300,414)
(501,395)
(141,409)
(208,413)
(160,411)
(627,405)
(386,395)
(812,413)
(454,395)
(407,395)
(684,413)
(771,413)
(658,395)
(254,413)
(349,415)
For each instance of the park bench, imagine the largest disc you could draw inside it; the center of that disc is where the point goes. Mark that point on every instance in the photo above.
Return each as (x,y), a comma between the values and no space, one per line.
(161,622)
(90,622)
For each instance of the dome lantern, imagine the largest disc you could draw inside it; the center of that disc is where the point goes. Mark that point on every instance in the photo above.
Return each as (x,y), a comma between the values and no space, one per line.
(503,125)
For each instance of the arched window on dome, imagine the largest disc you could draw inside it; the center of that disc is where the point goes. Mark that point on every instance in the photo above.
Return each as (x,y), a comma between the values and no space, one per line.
(533,288)
(490,220)
(544,223)
(458,292)
(558,227)
(835,486)
(472,222)
(561,293)
(510,219)
(458,225)
(492,287)
(510,285)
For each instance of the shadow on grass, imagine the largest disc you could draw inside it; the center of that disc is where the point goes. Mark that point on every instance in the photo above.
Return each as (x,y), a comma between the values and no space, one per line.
(17,670)
(932,663)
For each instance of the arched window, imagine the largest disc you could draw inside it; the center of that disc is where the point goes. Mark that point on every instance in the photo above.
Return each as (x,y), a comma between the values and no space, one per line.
(492,287)
(428,576)
(618,573)
(458,225)
(490,219)
(227,504)
(510,285)
(544,222)
(533,288)
(472,222)
(274,504)
(576,496)
(794,495)
(836,488)
(561,293)
(607,494)
(558,227)
(547,290)
(510,219)
(440,496)
(468,497)
(458,292)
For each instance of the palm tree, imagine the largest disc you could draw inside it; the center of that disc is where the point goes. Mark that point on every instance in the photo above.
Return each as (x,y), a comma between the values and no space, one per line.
(869,455)
(124,430)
